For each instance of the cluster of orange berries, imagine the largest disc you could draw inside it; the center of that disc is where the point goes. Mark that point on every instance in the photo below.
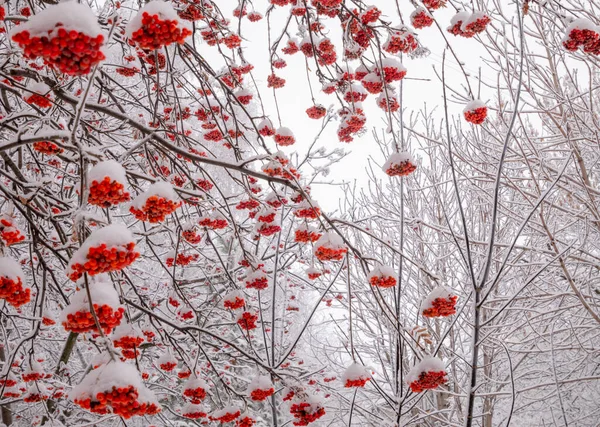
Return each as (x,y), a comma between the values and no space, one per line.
(476,116)
(13,291)
(275,81)
(247,321)
(47,147)
(429,381)
(308,212)
(9,232)
(359,382)
(352,124)
(195,394)
(191,236)
(214,223)
(83,321)
(235,303)
(71,52)
(127,71)
(421,19)
(42,101)
(305,413)
(305,235)
(401,41)
(473,27)
(324,253)
(257,281)
(316,112)
(129,345)
(100,259)
(182,259)
(155,209)
(226,416)
(168,366)
(247,421)
(383,281)
(441,307)
(156,33)
(123,401)
(260,395)
(193,413)
(107,193)
(247,204)
(404,168)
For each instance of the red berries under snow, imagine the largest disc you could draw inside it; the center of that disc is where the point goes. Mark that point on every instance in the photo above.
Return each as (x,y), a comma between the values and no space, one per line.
(420,18)
(428,374)
(399,164)
(157,25)
(441,302)
(9,232)
(330,247)
(475,112)
(107,249)
(156,203)
(260,388)
(66,36)
(582,33)
(382,276)
(195,389)
(467,24)
(355,376)
(39,94)
(12,283)
(107,184)
(77,317)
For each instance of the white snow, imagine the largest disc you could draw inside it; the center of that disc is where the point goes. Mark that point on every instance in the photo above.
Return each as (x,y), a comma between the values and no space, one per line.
(355,372)
(163,9)
(428,364)
(419,10)
(284,131)
(126,330)
(473,105)
(439,292)
(330,240)
(392,63)
(102,292)
(260,382)
(381,270)
(40,88)
(160,189)
(230,409)
(73,16)
(459,17)
(11,269)
(166,357)
(113,235)
(398,158)
(107,168)
(194,383)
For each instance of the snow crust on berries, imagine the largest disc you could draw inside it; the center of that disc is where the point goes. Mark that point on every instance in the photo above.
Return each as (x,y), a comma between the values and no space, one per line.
(232,296)
(113,374)
(107,168)
(428,364)
(73,16)
(473,105)
(102,292)
(392,63)
(260,382)
(439,292)
(113,235)
(331,240)
(580,24)
(473,17)
(11,269)
(381,270)
(459,17)
(166,358)
(398,158)
(126,330)
(160,189)
(163,9)
(219,413)
(355,372)
(284,131)
(194,383)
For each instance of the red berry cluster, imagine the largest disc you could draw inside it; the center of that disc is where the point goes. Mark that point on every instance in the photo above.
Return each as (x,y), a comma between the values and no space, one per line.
(196,395)
(71,52)
(257,282)
(305,414)
(122,400)
(314,274)
(155,209)
(227,417)
(182,259)
(247,321)
(306,236)
(127,71)
(129,344)
(13,292)
(33,376)
(156,33)
(214,223)
(401,169)
(100,259)
(351,125)
(194,414)
(360,382)
(83,321)
(308,212)
(383,281)
(324,253)
(275,82)
(389,103)
(476,116)
(434,4)
(428,381)
(47,147)
(401,41)
(260,395)
(107,193)
(245,422)
(421,19)
(247,204)
(9,232)
(471,29)
(168,366)
(191,236)
(316,112)
(236,304)
(441,307)
(42,101)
